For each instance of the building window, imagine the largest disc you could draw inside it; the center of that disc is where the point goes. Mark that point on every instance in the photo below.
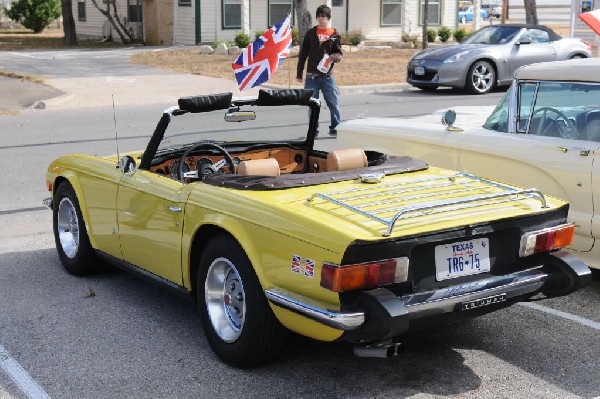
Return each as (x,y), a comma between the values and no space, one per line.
(337,3)
(391,12)
(81,10)
(433,15)
(185,3)
(279,9)
(232,14)
(134,10)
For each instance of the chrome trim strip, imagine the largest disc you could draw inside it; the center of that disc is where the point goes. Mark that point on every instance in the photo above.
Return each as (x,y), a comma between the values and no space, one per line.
(315,310)
(417,305)
(512,285)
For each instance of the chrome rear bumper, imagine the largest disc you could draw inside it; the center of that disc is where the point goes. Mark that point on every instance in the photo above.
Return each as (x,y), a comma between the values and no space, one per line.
(564,274)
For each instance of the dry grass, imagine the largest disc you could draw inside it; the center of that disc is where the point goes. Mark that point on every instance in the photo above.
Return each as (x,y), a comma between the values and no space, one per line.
(24,39)
(372,66)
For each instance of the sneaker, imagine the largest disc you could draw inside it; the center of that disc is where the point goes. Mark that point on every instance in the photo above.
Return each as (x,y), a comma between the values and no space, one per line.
(332,132)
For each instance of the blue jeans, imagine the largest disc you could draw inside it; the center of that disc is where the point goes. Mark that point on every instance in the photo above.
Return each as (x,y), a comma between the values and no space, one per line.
(326,84)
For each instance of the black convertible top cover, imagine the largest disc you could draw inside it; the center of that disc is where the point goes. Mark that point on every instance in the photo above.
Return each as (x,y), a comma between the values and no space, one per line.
(211,102)
(389,165)
(284,97)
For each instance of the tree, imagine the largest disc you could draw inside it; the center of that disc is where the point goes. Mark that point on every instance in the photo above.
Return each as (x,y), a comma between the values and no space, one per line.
(121,28)
(70,38)
(304,19)
(425,13)
(34,14)
(530,12)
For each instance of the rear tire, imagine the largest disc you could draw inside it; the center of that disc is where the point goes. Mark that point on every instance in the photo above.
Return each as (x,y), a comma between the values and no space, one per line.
(481,78)
(237,320)
(70,233)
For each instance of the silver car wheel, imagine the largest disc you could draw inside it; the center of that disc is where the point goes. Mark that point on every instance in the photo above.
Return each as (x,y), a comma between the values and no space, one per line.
(68,228)
(482,77)
(225,299)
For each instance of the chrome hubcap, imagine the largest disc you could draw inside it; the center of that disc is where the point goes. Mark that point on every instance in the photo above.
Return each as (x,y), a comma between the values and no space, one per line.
(483,78)
(225,299)
(68,228)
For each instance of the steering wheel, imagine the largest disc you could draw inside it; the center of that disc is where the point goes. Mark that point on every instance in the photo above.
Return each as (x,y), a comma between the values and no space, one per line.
(561,129)
(214,167)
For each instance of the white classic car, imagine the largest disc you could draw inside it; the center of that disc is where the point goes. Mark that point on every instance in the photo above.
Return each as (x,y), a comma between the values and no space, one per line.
(544,133)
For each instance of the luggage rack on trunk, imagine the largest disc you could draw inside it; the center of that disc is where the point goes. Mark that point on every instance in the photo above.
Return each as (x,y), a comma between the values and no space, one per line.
(374,200)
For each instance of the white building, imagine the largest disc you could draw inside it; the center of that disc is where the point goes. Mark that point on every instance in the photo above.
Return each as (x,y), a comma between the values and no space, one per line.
(189,22)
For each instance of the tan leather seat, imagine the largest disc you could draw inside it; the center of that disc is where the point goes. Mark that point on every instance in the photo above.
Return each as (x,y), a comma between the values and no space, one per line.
(259,167)
(350,158)
(593,130)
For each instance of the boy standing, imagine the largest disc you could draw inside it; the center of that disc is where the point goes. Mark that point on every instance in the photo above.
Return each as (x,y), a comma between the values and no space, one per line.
(323,48)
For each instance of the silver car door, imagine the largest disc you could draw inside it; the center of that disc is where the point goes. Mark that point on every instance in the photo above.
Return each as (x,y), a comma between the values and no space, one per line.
(536,47)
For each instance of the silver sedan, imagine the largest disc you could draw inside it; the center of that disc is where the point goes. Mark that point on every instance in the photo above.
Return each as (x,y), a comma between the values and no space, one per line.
(489,56)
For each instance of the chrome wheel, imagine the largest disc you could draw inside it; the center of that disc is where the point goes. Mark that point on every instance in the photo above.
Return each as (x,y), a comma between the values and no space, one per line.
(225,299)
(482,78)
(68,228)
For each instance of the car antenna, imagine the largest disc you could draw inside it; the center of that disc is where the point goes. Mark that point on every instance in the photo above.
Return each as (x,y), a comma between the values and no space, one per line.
(115,121)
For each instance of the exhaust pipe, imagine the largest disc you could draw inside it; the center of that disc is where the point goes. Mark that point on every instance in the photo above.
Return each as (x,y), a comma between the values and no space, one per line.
(379,350)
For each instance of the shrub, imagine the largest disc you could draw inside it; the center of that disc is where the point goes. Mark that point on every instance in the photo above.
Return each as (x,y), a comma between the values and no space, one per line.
(410,38)
(216,43)
(258,33)
(459,34)
(242,40)
(444,33)
(431,34)
(34,14)
(352,38)
(295,36)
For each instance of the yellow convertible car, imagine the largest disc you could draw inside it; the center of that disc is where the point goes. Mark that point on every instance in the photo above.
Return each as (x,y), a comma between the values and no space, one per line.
(268,234)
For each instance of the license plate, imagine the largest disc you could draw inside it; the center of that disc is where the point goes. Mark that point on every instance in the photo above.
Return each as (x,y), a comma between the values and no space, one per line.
(462,258)
(419,70)
(478,303)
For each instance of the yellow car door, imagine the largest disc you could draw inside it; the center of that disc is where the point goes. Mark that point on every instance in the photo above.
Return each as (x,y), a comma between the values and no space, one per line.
(150,216)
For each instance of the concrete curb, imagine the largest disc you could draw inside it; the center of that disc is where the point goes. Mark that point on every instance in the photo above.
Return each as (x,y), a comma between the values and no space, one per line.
(378,88)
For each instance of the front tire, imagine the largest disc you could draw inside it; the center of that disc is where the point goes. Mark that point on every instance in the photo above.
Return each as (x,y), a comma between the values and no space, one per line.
(70,234)
(481,78)
(237,320)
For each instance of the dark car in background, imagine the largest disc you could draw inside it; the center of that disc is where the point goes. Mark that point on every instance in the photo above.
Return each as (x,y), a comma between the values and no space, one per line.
(488,57)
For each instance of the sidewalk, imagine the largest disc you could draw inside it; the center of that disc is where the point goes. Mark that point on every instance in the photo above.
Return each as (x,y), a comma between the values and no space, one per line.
(149,89)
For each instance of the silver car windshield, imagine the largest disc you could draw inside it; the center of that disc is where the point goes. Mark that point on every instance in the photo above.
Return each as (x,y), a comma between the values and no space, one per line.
(272,124)
(493,35)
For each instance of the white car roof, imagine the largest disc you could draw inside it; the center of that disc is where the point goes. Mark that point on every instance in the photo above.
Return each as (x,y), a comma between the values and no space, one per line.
(578,70)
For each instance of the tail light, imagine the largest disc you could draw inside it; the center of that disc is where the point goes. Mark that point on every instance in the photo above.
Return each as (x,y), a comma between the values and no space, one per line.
(545,240)
(363,275)
(586,44)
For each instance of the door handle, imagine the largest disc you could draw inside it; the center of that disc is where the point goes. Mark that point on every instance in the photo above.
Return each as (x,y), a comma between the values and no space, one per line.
(584,152)
(174,209)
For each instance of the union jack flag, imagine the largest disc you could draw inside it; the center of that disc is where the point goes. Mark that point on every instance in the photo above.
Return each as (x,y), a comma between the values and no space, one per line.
(259,61)
(296,260)
(309,268)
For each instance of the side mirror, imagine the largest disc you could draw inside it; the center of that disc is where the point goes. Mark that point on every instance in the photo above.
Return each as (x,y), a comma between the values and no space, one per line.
(448,119)
(524,40)
(127,164)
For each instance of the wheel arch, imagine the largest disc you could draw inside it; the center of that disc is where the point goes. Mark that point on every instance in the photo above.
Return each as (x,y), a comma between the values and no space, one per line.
(202,236)
(488,59)
(71,178)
